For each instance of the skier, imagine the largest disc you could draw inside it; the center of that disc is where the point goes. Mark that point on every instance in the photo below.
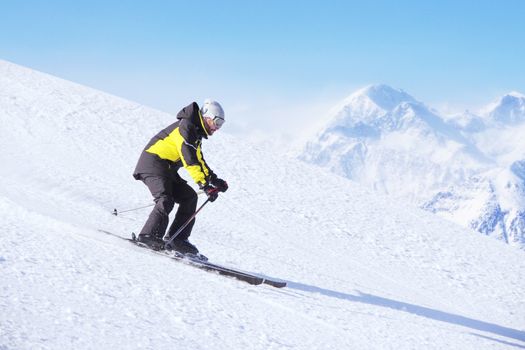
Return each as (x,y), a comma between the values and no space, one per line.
(179,145)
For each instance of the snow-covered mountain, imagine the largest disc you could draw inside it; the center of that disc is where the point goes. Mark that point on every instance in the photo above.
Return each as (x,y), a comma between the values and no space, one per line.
(466,168)
(364,271)
(509,110)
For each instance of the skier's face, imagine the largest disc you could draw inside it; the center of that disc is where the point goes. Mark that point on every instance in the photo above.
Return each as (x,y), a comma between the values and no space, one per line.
(211,126)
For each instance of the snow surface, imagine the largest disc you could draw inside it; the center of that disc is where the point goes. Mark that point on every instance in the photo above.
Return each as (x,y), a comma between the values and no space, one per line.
(364,271)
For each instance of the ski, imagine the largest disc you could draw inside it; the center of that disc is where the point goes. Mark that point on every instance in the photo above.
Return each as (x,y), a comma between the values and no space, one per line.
(206,265)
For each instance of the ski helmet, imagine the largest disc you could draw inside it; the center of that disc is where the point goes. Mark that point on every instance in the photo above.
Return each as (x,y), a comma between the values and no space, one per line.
(213,110)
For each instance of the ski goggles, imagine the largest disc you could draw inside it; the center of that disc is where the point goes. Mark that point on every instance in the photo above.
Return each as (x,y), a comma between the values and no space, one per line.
(218,122)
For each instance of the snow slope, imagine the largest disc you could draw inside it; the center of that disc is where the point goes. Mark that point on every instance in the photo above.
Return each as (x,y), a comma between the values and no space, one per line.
(364,271)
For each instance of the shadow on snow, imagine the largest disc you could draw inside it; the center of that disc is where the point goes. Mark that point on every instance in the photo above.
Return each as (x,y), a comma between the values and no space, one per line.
(416,310)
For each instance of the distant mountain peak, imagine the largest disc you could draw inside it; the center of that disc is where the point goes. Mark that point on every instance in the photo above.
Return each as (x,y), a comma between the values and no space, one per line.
(516,94)
(508,109)
(370,106)
(380,108)
(458,166)
(382,95)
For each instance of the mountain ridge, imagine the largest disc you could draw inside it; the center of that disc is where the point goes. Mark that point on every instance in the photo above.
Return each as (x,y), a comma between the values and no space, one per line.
(380,147)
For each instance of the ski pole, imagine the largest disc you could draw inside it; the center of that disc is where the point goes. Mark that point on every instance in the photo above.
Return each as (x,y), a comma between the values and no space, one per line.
(167,244)
(116,212)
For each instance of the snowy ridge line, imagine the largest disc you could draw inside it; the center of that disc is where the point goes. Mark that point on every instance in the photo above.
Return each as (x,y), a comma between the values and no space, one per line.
(384,139)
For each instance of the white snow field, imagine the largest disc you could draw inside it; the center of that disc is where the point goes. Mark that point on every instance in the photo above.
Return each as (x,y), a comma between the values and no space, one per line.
(363,271)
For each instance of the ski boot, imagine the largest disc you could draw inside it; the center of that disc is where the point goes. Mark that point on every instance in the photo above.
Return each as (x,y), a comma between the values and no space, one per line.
(151,241)
(184,247)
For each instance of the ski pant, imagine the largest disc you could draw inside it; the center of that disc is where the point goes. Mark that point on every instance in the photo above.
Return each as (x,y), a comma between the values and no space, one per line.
(166,192)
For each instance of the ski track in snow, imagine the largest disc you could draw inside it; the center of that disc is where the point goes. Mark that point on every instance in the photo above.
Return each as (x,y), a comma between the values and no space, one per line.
(363,271)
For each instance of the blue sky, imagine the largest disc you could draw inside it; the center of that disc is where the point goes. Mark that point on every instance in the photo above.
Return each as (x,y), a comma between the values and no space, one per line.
(272,63)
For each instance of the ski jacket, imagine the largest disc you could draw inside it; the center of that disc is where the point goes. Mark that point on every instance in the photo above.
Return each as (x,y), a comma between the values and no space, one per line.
(178,145)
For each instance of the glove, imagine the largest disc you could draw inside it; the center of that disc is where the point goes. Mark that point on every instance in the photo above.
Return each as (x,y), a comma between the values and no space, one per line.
(211,192)
(220,184)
